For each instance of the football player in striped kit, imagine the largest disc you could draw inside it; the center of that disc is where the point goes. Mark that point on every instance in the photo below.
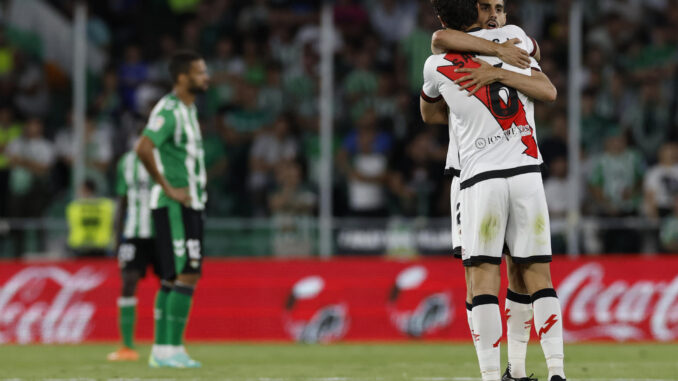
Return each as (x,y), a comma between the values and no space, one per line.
(171,150)
(134,229)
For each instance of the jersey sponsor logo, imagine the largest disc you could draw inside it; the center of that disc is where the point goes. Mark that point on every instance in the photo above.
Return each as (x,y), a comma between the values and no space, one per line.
(502,101)
(506,135)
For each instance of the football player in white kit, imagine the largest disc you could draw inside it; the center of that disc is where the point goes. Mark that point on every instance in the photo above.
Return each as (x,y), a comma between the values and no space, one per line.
(502,195)
(491,15)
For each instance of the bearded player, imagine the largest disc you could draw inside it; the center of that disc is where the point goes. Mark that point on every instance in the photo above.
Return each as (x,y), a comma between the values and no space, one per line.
(171,150)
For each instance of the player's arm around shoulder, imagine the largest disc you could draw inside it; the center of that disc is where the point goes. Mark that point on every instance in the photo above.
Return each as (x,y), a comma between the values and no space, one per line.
(444,40)
(527,43)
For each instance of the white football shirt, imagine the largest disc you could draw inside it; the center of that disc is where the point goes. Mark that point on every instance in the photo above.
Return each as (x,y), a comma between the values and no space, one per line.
(495,128)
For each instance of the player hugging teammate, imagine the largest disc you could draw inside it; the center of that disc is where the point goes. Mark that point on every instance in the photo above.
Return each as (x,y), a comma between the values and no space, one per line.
(500,197)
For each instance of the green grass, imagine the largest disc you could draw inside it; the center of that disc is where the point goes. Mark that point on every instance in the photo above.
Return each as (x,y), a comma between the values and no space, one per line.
(337,362)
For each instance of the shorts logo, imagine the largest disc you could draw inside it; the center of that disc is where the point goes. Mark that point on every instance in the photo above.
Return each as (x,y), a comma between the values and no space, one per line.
(126,253)
(480,143)
(179,249)
(193,246)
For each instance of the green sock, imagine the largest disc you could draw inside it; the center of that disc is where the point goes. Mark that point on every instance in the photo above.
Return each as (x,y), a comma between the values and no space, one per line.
(127,307)
(178,306)
(160,315)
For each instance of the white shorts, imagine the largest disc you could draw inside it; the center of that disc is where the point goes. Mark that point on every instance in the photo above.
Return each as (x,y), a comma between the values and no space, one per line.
(455,214)
(511,210)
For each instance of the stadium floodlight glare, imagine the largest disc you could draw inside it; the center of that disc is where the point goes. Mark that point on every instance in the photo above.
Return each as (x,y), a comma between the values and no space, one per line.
(308,288)
(411,277)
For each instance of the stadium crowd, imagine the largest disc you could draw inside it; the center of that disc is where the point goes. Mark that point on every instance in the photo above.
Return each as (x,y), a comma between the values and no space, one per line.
(261,116)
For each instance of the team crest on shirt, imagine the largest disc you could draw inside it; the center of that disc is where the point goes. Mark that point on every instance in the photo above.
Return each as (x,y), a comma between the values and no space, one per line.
(157,123)
(416,308)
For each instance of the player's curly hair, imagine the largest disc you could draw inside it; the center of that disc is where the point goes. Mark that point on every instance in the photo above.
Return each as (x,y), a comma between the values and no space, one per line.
(456,14)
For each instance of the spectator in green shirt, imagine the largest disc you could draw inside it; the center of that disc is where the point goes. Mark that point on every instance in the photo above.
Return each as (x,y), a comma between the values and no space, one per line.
(616,185)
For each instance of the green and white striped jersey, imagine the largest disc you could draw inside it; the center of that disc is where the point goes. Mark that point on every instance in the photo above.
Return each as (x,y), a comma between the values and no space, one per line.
(134,182)
(174,130)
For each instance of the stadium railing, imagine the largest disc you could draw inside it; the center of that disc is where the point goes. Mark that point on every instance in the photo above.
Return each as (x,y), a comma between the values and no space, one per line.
(298,236)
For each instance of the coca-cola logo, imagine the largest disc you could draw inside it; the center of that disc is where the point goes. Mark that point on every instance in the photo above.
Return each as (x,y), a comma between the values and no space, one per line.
(44,304)
(621,310)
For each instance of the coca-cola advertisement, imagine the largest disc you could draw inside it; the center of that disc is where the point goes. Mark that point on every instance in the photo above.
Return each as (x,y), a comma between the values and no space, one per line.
(617,298)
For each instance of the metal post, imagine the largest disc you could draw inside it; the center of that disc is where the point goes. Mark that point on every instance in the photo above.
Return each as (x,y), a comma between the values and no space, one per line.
(574,125)
(326,127)
(79,93)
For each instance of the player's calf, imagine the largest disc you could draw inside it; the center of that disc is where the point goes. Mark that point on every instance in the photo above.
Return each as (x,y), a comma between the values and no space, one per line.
(486,317)
(127,305)
(518,311)
(469,302)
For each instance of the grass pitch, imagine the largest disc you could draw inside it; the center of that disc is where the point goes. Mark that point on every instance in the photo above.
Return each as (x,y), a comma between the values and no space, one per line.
(337,362)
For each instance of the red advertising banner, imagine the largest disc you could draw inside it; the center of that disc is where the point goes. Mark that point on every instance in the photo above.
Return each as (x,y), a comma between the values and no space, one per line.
(608,298)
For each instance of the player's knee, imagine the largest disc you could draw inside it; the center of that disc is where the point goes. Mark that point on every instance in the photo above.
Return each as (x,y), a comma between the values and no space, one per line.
(485,279)
(515,279)
(129,282)
(188,279)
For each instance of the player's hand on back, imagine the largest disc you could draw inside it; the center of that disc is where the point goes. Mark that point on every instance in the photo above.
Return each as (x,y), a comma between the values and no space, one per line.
(482,76)
(179,194)
(513,55)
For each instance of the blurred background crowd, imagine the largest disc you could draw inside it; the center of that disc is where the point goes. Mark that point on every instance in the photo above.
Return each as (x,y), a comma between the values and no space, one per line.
(260,117)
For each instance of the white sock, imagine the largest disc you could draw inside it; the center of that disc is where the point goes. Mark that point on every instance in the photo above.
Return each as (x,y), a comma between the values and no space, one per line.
(161,351)
(548,323)
(174,349)
(487,327)
(469,320)
(518,325)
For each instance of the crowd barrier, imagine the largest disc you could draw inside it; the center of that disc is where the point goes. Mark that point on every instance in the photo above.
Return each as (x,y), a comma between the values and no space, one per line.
(613,298)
